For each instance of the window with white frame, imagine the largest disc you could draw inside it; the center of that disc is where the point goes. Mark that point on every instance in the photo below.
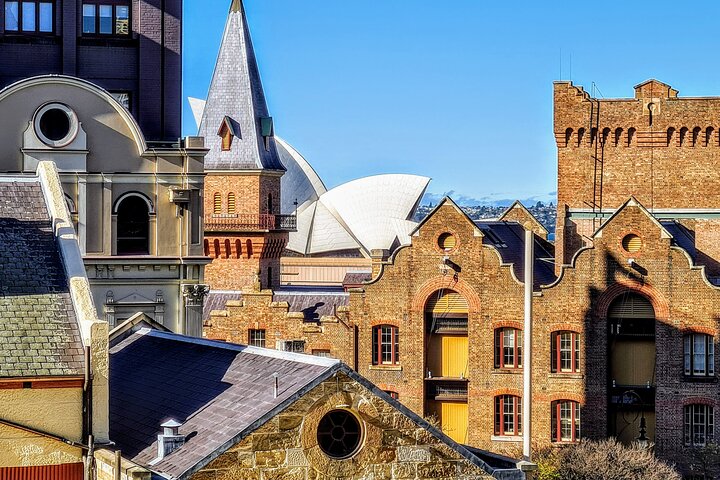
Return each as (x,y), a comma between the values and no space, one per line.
(508,415)
(699,424)
(565,352)
(508,348)
(565,425)
(699,355)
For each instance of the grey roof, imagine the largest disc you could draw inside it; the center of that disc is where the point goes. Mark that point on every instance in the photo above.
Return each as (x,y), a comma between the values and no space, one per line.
(39,335)
(356,278)
(236,92)
(509,240)
(682,237)
(217,390)
(216,301)
(221,392)
(313,302)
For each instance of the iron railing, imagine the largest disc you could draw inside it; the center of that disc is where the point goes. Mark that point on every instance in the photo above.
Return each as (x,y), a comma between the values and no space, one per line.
(251,222)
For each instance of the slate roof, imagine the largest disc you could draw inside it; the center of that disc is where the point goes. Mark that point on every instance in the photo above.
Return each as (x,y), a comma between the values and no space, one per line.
(313,302)
(216,300)
(236,92)
(221,392)
(217,390)
(509,239)
(39,335)
(683,237)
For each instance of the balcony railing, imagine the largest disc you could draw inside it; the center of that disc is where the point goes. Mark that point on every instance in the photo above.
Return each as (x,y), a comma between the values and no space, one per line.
(251,222)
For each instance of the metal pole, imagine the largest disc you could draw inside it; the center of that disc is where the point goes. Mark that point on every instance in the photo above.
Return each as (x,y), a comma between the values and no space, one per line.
(527,345)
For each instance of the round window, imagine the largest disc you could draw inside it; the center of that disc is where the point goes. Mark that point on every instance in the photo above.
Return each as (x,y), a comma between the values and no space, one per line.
(631,243)
(446,241)
(339,434)
(56,125)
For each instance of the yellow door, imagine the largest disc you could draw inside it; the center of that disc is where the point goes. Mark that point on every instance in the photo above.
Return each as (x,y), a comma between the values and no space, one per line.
(454,356)
(454,420)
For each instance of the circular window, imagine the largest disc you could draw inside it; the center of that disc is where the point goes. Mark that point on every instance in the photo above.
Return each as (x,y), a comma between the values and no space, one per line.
(446,241)
(631,243)
(339,434)
(56,125)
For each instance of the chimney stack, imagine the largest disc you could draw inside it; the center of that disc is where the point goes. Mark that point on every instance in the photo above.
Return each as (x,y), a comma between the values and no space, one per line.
(170,440)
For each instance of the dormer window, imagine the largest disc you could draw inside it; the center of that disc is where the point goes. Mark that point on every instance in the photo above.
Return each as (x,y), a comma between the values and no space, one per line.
(267,130)
(228,130)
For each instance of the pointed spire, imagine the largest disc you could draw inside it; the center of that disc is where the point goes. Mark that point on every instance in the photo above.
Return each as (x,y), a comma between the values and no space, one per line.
(236,92)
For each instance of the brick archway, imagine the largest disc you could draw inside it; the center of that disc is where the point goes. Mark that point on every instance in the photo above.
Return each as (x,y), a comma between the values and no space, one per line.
(659,304)
(447,283)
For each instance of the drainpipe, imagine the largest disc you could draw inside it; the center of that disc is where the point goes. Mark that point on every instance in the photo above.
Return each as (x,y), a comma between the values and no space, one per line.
(527,345)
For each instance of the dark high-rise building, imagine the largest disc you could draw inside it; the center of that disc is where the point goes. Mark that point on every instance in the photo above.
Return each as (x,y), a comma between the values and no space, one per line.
(131,48)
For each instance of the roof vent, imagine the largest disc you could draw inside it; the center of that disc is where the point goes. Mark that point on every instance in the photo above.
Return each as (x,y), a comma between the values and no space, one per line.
(170,440)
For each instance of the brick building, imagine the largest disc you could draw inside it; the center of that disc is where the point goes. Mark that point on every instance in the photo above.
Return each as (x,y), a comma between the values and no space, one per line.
(131,48)
(626,305)
(245,234)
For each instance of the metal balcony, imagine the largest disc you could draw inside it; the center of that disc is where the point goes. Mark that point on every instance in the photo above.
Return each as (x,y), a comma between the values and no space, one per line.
(251,223)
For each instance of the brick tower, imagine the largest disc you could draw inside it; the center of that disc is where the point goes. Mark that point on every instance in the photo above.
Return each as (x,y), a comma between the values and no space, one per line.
(662,149)
(244,231)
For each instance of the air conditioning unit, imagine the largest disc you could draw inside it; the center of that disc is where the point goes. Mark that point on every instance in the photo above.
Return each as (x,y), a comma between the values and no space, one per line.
(295,346)
(179,195)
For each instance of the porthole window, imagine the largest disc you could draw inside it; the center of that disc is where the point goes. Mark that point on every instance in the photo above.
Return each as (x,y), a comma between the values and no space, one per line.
(447,241)
(56,125)
(339,434)
(631,243)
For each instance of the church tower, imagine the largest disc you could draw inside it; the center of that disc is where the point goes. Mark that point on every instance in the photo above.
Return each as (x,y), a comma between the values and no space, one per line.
(245,234)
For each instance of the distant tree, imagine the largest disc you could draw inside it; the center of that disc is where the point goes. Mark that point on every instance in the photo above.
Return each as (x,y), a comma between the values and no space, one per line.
(611,460)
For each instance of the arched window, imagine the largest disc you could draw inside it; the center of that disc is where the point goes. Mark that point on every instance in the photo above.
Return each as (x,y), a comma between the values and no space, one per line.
(605,135)
(231,203)
(217,203)
(631,136)
(699,355)
(508,415)
(568,136)
(508,348)
(593,135)
(248,248)
(670,135)
(695,136)
(565,415)
(216,245)
(580,136)
(238,248)
(565,352)
(708,135)
(207,248)
(133,226)
(699,424)
(618,136)
(228,249)
(683,135)
(385,345)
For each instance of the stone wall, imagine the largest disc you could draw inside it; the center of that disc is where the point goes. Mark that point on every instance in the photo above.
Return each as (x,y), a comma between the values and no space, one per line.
(393,447)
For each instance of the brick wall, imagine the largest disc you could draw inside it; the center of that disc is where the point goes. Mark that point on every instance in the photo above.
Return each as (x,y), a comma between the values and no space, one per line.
(256,310)
(661,148)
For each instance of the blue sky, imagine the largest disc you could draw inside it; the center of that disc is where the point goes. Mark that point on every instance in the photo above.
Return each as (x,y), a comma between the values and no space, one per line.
(460,91)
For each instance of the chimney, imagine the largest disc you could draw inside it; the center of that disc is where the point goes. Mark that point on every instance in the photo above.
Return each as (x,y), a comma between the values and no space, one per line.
(170,440)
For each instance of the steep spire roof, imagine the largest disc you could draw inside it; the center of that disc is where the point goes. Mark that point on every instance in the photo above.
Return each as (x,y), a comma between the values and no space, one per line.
(236,92)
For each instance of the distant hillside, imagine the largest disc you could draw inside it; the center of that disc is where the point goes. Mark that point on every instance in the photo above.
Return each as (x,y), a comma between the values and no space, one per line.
(544,212)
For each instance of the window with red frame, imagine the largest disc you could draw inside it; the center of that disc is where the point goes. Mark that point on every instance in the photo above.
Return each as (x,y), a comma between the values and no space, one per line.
(565,352)
(565,421)
(508,348)
(393,394)
(385,349)
(508,415)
